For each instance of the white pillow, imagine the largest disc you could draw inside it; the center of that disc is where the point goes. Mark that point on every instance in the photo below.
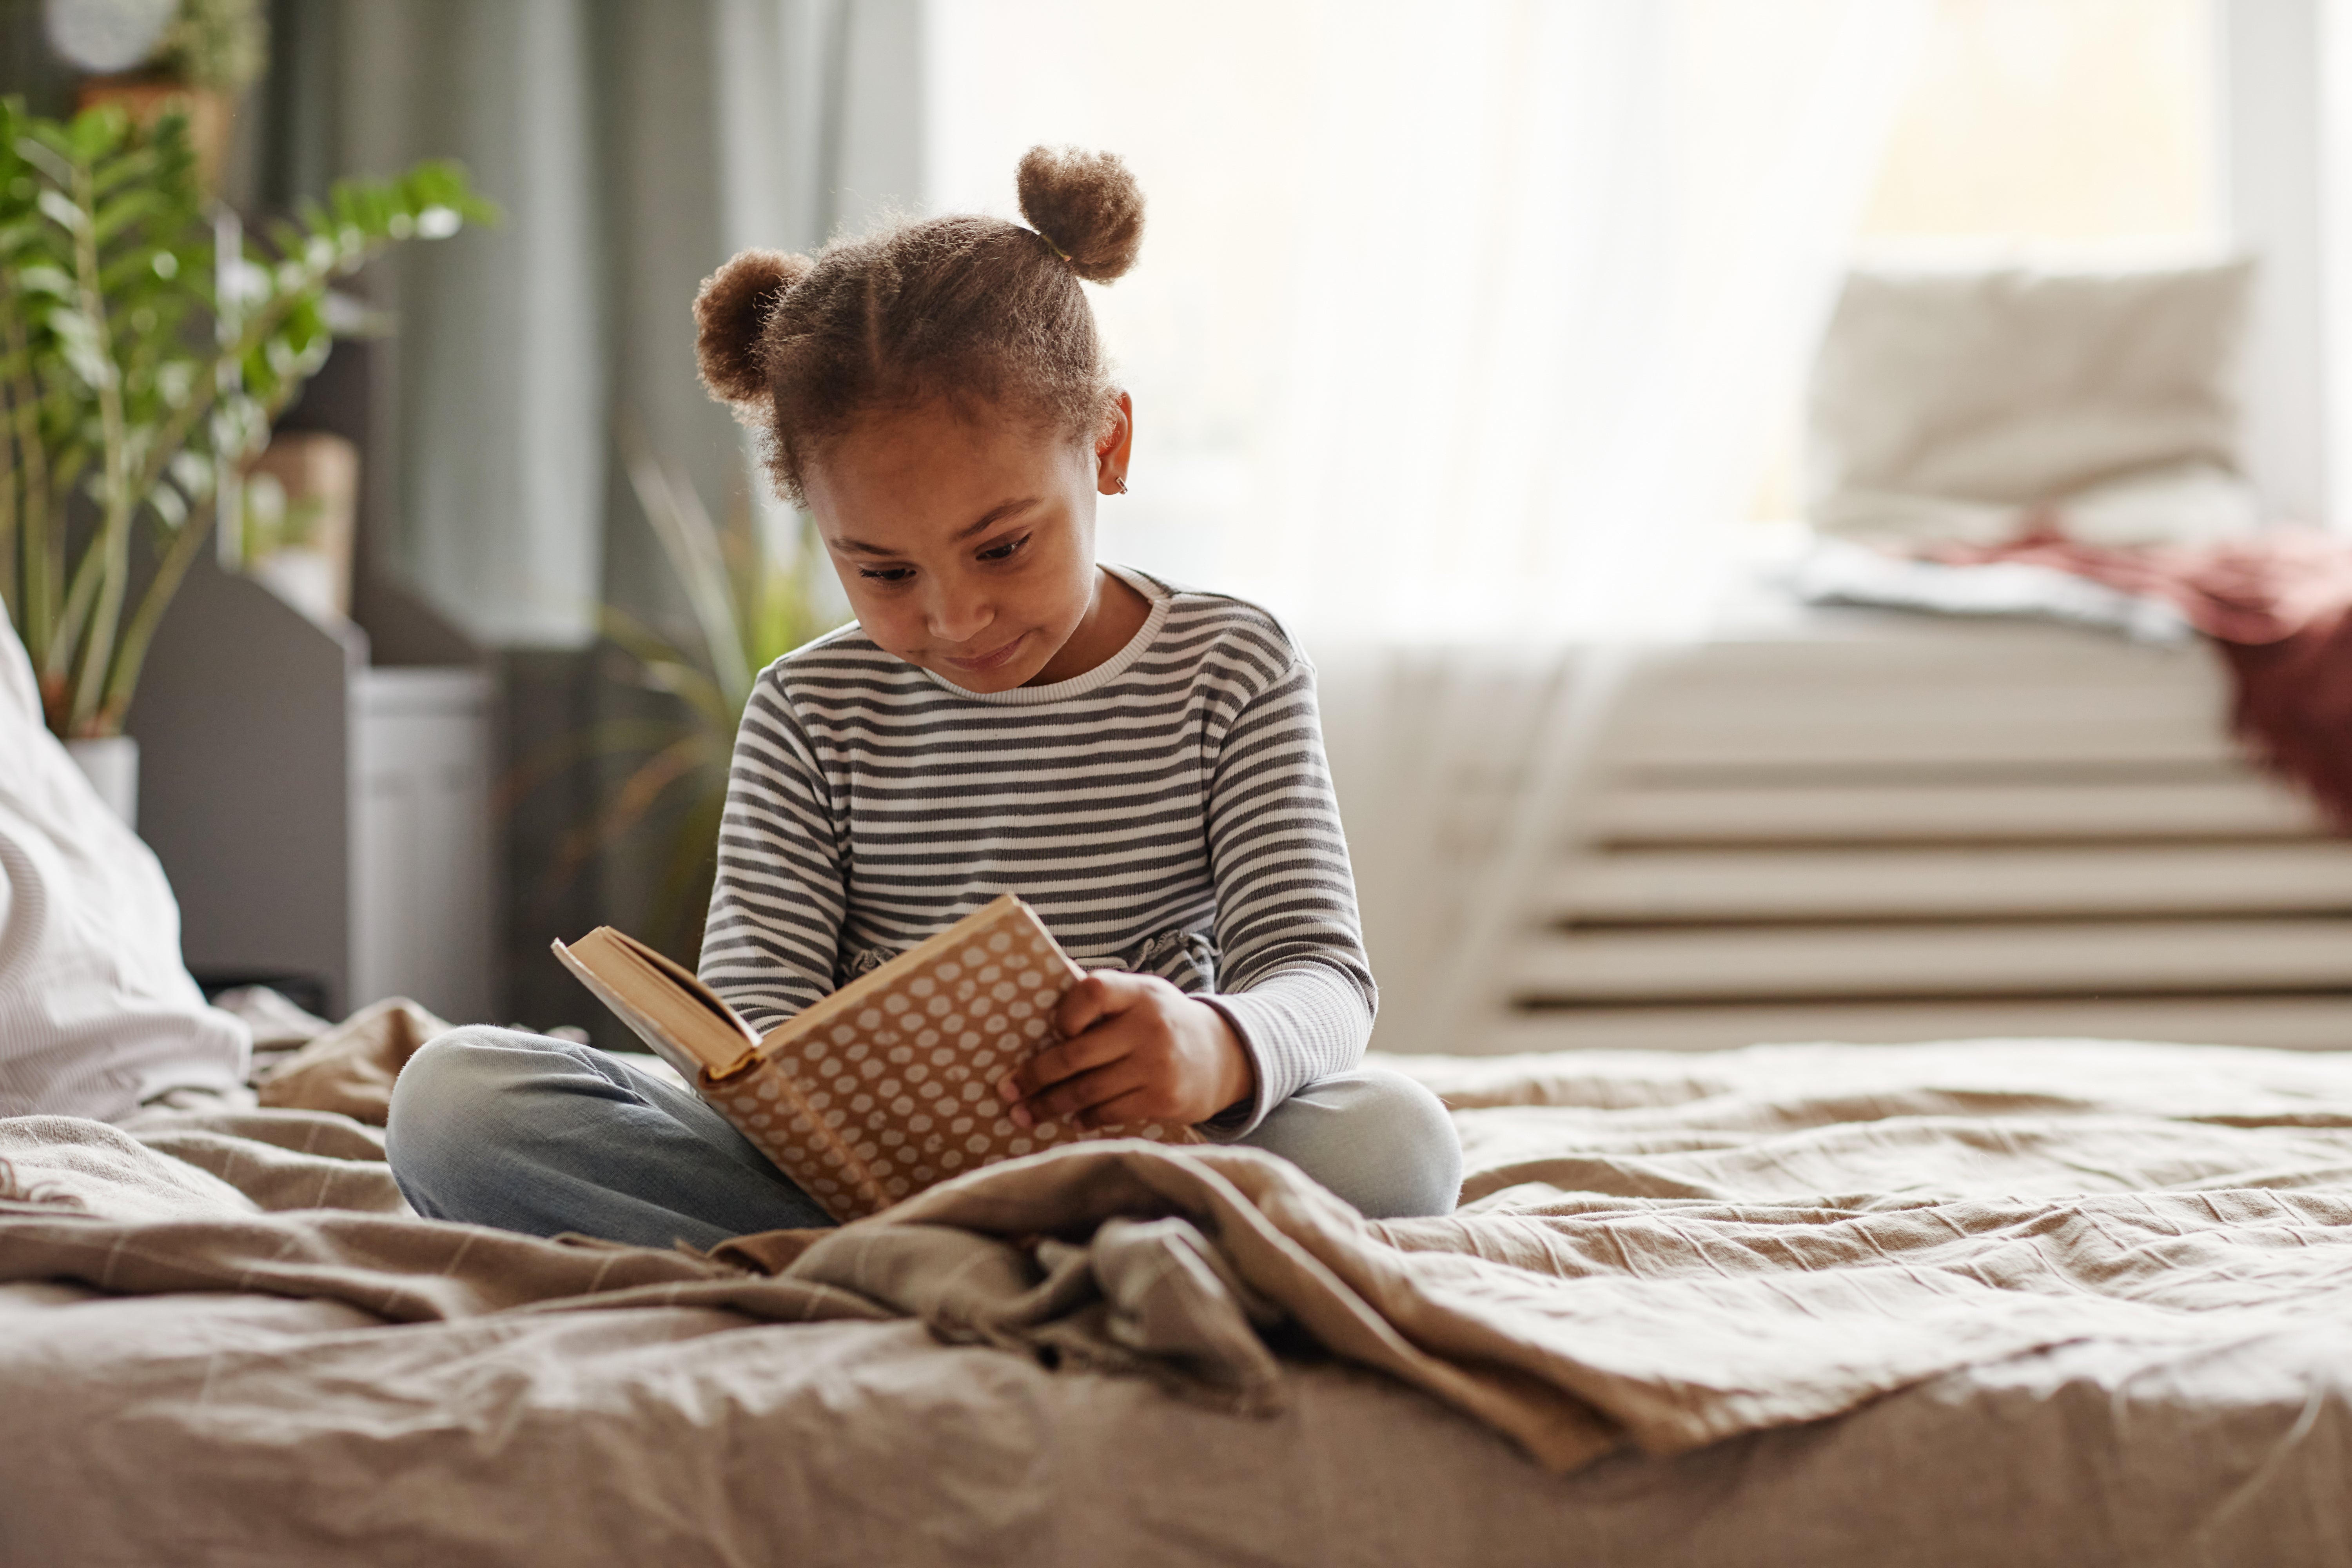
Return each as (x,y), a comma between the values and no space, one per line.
(97,1011)
(1947,403)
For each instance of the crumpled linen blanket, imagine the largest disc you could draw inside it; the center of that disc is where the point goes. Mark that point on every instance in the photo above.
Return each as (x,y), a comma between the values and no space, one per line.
(350,1067)
(1657,1252)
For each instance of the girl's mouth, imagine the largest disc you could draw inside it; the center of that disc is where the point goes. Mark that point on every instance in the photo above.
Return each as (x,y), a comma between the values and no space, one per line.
(996,658)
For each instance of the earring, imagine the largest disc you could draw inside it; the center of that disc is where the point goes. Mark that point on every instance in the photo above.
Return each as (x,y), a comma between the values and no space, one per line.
(1120,480)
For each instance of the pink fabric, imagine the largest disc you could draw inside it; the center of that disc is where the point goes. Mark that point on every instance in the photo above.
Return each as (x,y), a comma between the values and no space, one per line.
(2280,605)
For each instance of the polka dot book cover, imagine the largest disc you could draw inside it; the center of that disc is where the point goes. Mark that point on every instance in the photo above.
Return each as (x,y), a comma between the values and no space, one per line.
(885,1087)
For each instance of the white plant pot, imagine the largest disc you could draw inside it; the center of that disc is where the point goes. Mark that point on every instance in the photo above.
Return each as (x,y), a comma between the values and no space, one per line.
(111,765)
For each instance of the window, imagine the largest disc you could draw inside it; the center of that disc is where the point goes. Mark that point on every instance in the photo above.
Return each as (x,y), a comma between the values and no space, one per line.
(2047,122)
(2044,128)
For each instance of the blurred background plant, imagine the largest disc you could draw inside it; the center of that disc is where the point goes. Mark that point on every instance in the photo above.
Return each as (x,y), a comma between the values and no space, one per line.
(751,599)
(145,345)
(273,521)
(222,45)
(147,58)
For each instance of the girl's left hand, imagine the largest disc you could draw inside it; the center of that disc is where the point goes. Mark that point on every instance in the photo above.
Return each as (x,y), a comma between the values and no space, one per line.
(1134,1049)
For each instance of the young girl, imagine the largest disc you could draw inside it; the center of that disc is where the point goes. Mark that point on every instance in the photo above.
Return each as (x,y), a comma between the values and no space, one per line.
(1139,761)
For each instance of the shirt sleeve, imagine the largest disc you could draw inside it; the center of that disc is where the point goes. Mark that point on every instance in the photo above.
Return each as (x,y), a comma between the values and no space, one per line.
(1293,978)
(772,942)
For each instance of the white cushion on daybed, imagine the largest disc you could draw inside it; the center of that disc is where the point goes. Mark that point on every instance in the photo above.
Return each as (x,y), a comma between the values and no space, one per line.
(97,1011)
(1948,402)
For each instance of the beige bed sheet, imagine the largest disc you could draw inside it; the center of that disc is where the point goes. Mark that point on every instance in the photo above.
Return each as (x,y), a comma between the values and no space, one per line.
(2114,1280)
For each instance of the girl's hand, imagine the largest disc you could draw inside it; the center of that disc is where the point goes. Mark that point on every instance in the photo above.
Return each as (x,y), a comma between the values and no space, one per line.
(1134,1049)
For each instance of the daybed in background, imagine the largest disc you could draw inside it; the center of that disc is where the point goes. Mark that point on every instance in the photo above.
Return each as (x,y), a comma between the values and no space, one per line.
(1836,816)
(1849,824)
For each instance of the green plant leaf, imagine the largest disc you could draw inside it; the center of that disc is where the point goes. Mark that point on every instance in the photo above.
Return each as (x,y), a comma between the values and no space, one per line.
(96,131)
(139,164)
(137,401)
(192,471)
(168,505)
(60,209)
(78,336)
(44,147)
(43,278)
(174,379)
(121,212)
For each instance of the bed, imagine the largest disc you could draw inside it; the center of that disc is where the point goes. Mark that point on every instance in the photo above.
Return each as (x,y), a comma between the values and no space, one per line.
(2025,1300)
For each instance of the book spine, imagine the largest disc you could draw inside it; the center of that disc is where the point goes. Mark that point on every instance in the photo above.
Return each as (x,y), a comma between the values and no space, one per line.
(780,1147)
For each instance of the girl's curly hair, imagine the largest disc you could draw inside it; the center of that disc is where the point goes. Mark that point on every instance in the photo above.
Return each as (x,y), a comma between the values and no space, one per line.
(971,310)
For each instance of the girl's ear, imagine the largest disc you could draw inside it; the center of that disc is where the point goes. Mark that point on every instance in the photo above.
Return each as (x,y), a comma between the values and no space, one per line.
(1114,445)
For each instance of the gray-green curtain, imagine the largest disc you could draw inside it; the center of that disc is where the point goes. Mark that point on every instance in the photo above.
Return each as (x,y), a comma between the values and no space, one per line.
(633,144)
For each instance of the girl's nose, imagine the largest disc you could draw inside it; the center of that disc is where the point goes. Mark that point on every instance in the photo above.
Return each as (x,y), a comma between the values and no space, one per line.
(958,618)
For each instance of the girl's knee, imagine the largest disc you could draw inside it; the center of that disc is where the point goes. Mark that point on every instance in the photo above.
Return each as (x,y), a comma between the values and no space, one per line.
(445,1099)
(1376,1138)
(1425,1174)
(446,1073)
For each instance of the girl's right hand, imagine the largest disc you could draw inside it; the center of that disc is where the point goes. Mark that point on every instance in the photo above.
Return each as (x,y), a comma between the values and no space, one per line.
(1135,1048)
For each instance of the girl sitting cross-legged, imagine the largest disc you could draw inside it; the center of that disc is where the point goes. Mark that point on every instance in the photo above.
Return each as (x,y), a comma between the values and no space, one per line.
(1141,761)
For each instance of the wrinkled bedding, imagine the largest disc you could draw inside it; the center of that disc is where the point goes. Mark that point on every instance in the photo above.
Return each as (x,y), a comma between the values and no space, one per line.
(2039,1301)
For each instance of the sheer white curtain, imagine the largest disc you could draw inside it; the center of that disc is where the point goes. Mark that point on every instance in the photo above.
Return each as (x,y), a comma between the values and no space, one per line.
(1459,336)
(1454,321)
(1558,261)
(1633,217)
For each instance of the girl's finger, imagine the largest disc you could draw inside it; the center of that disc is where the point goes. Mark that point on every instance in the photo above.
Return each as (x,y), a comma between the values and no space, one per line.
(1067,1099)
(1096,1047)
(1096,997)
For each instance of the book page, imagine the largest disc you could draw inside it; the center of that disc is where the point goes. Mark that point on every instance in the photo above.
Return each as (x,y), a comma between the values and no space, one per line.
(689,983)
(685,1024)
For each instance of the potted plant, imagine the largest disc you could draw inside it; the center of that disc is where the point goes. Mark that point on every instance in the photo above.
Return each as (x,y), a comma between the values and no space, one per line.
(753,599)
(144,347)
(193,57)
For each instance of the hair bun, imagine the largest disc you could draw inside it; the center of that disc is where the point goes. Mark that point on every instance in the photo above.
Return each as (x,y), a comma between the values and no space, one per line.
(1086,205)
(731,310)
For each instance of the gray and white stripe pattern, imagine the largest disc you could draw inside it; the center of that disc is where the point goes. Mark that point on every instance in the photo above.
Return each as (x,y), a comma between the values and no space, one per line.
(1168,812)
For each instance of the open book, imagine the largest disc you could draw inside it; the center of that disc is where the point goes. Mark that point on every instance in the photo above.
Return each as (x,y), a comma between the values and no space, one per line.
(885,1087)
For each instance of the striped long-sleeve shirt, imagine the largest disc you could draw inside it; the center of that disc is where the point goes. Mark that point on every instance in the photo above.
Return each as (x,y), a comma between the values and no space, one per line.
(1168,812)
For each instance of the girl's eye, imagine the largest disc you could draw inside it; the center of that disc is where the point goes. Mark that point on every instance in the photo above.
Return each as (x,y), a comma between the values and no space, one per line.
(1004,550)
(885,574)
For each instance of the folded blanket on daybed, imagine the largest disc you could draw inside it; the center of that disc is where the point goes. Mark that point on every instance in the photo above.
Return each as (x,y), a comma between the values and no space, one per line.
(1649,1256)
(2279,607)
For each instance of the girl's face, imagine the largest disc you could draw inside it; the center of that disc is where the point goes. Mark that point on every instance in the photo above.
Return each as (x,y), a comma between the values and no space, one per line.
(967,546)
